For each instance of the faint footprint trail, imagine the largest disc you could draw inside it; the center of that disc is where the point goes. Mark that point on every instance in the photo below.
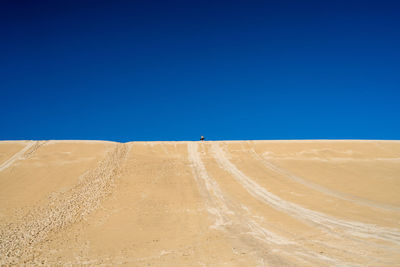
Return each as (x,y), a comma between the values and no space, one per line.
(28,150)
(332,224)
(17,240)
(317,187)
(236,219)
(32,150)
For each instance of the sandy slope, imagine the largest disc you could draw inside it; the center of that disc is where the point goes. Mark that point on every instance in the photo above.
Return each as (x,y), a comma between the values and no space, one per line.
(232,203)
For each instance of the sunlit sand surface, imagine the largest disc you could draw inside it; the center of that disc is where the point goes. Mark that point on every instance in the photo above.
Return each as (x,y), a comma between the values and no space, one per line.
(222,203)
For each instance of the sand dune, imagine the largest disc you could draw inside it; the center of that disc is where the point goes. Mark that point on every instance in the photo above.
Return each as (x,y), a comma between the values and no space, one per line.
(225,203)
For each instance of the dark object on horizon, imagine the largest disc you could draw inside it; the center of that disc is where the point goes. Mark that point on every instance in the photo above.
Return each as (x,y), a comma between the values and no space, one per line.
(202,138)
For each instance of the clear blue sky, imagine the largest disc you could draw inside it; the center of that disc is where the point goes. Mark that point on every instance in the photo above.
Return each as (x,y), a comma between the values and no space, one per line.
(175,70)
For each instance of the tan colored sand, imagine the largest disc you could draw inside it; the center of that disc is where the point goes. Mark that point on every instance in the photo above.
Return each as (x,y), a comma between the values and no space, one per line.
(9,148)
(233,203)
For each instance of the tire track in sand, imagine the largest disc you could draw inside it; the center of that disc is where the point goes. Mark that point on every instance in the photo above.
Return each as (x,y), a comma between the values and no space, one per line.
(238,222)
(17,240)
(328,223)
(317,187)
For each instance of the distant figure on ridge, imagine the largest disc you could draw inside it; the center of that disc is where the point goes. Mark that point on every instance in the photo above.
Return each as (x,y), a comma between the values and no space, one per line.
(202,138)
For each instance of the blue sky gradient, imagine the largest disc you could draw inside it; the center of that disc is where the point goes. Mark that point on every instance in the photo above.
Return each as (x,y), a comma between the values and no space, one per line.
(175,70)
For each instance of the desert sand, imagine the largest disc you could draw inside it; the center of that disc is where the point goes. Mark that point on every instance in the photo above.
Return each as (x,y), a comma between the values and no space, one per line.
(212,203)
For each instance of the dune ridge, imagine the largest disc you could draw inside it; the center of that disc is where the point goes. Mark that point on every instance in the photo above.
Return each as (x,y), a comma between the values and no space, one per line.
(169,203)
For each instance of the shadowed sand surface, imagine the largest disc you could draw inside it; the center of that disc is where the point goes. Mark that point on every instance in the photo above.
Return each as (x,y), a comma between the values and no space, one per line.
(221,203)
